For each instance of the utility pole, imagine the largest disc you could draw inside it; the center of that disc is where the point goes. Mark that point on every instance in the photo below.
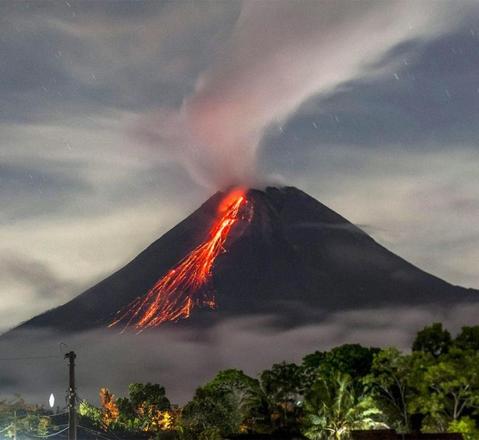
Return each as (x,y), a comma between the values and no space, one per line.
(72,421)
(15,424)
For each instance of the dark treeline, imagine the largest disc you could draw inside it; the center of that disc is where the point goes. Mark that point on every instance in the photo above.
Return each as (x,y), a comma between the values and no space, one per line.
(434,388)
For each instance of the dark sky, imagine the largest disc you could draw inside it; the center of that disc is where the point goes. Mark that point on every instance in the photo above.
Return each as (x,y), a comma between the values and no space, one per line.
(117,118)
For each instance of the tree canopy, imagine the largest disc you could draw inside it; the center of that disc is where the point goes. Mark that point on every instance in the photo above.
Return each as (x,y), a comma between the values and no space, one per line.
(435,387)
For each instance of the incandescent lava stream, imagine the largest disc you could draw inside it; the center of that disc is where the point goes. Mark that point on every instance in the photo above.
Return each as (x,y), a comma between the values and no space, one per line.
(175,295)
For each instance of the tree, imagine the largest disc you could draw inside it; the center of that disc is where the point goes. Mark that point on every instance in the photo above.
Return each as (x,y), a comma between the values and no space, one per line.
(145,409)
(109,408)
(265,405)
(242,388)
(211,415)
(310,366)
(281,390)
(233,381)
(390,385)
(148,394)
(333,409)
(393,384)
(468,339)
(258,401)
(351,359)
(90,412)
(283,382)
(433,339)
(449,389)
(465,426)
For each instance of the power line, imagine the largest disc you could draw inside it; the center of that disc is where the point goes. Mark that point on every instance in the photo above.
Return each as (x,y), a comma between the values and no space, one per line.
(4,429)
(114,435)
(48,435)
(54,415)
(37,414)
(28,358)
(99,434)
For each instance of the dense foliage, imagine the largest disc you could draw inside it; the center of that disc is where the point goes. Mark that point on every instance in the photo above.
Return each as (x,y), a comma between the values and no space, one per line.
(433,388)
(146,410)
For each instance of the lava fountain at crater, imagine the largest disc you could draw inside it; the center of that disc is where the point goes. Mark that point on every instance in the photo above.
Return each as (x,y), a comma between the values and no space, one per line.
(175,295)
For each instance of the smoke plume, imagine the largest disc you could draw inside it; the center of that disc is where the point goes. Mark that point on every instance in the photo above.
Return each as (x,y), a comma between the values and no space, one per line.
(280,54)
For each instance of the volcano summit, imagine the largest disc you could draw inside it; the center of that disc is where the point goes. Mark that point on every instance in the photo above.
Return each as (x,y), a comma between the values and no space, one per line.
(276,252)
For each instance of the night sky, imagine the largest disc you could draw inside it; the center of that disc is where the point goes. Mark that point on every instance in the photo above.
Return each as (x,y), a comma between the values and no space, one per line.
(118,118)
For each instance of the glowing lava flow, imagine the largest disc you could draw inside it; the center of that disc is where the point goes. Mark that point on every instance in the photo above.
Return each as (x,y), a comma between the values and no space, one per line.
(174,296)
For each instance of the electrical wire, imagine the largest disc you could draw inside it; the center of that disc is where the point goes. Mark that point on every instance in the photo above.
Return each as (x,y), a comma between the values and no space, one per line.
(55,415)
(99,434)
(116,437)
(4,429)
(79,398)
(29,358)
(39,415)
(46,436)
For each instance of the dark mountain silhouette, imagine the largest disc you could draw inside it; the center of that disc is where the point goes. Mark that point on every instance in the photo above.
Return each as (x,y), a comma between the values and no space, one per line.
(297,259)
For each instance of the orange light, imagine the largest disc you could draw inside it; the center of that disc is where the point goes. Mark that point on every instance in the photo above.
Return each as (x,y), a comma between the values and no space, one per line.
(174,296)
(231,198)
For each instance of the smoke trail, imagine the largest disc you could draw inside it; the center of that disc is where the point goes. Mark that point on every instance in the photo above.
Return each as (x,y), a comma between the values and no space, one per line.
(280,54)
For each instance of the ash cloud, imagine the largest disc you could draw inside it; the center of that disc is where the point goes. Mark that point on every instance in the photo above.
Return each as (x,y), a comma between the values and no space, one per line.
(280,54)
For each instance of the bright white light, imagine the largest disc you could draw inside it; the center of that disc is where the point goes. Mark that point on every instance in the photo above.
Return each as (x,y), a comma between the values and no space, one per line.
(51,400)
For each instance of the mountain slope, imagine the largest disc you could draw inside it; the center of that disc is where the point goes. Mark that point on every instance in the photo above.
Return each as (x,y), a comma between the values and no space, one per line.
(296,259)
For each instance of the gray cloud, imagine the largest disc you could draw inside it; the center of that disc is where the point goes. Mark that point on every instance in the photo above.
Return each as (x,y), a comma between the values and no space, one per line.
(31,282)
(84,59)
(33,191)
(34,274)
(429,100)
(181,360)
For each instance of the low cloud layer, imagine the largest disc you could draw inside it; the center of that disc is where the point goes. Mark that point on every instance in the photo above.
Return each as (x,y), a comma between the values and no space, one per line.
(182,360)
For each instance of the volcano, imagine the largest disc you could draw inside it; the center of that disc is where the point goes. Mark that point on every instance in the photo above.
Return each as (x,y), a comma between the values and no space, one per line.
(287,255)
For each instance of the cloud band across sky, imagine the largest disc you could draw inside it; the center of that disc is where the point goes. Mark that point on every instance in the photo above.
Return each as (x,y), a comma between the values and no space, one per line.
(182,359)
